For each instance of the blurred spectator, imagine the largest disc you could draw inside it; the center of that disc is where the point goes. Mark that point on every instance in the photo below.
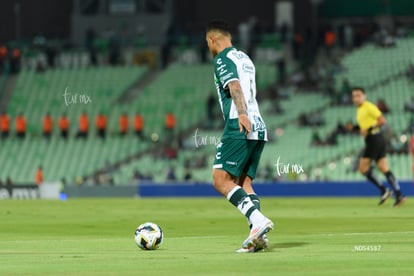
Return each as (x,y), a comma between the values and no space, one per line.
(3,57)
(137,175)
(114,49)
(351,128)
(410,72)
(412,152)
(188,176)
(343,97)
(410,127)
(297,45)
(166,54)
(9,186)
(83,126)
(396,145)
(315,119)
(284,31)
(281,69)
(20,126)
(101,123)
(40,67)
(276,107)
(50,52)
(203,52)
(39,176)
(383,106)
(90,45)
(412,144)
(169,123)
(340,128)
(385,39)
(268,172)
(409,106)
(47,125)
(303,119)
(329,41)
(64,126)
(123,124)
(244,35)
(349,37)
(316,139)
(211,102)
(15,61)
(139,125)
(170,152)
(171,174)
(332,138)
(4,125)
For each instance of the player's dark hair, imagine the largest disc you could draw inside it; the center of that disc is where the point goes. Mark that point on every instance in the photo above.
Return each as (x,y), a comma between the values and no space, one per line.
(219,25)
(358,88)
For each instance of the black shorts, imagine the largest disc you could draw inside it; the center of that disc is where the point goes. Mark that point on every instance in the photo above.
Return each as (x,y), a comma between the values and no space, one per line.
(375,147)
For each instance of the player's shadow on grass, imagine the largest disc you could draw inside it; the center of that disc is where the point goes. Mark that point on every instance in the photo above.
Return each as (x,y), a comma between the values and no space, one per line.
(287,245)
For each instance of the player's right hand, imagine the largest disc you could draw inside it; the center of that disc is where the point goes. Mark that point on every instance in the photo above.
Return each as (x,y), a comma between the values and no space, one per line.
(244,123)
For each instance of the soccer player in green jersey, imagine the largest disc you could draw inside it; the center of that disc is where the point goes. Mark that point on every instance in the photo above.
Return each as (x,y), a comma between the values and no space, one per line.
(244,136)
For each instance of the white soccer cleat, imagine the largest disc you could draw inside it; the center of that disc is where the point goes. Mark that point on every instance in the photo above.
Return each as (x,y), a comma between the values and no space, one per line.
(246,250)
(257,232)
(262,243)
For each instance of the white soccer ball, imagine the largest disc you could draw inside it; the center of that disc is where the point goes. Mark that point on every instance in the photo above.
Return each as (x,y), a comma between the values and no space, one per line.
(149,236)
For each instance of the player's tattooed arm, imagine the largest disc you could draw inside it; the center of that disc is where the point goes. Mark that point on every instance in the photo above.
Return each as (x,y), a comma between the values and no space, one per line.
(238,97)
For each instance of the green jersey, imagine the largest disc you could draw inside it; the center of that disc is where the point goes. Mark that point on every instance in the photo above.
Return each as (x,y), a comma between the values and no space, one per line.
(229,65)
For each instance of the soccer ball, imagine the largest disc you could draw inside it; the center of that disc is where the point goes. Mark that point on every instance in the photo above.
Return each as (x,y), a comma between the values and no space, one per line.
(149,236)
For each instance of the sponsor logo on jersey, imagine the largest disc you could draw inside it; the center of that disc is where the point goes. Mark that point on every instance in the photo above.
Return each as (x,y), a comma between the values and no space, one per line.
(224,78)
(239,54)
(248,68)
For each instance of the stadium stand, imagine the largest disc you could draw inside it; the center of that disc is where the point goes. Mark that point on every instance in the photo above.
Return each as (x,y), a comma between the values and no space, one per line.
(36,93)
(367,67)
(183,89)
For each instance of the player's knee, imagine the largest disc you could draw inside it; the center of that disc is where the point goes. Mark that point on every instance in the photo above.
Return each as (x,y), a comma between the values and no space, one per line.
(221,179)
(218,178)
(363,169)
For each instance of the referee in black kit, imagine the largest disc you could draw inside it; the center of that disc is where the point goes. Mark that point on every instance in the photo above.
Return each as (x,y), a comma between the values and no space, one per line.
(370,119)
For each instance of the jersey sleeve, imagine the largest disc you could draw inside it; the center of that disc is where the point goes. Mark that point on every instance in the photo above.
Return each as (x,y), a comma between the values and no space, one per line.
(374,111)
(226,71)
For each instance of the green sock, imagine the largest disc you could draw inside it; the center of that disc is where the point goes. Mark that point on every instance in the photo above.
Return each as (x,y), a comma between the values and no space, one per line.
(256,200)
(240,199)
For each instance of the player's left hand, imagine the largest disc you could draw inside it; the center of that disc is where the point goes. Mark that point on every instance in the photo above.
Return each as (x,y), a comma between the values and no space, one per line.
(244,123)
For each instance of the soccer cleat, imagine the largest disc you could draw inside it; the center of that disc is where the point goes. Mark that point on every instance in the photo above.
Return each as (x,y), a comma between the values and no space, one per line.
(385,196)
(246,250)
(399,201)
(262,243)
(257,232)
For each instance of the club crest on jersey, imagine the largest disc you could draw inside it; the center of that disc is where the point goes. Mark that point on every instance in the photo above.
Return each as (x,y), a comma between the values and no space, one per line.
(258,124)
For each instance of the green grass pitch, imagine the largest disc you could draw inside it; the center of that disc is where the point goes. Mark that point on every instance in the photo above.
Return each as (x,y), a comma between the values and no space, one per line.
(313,236)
